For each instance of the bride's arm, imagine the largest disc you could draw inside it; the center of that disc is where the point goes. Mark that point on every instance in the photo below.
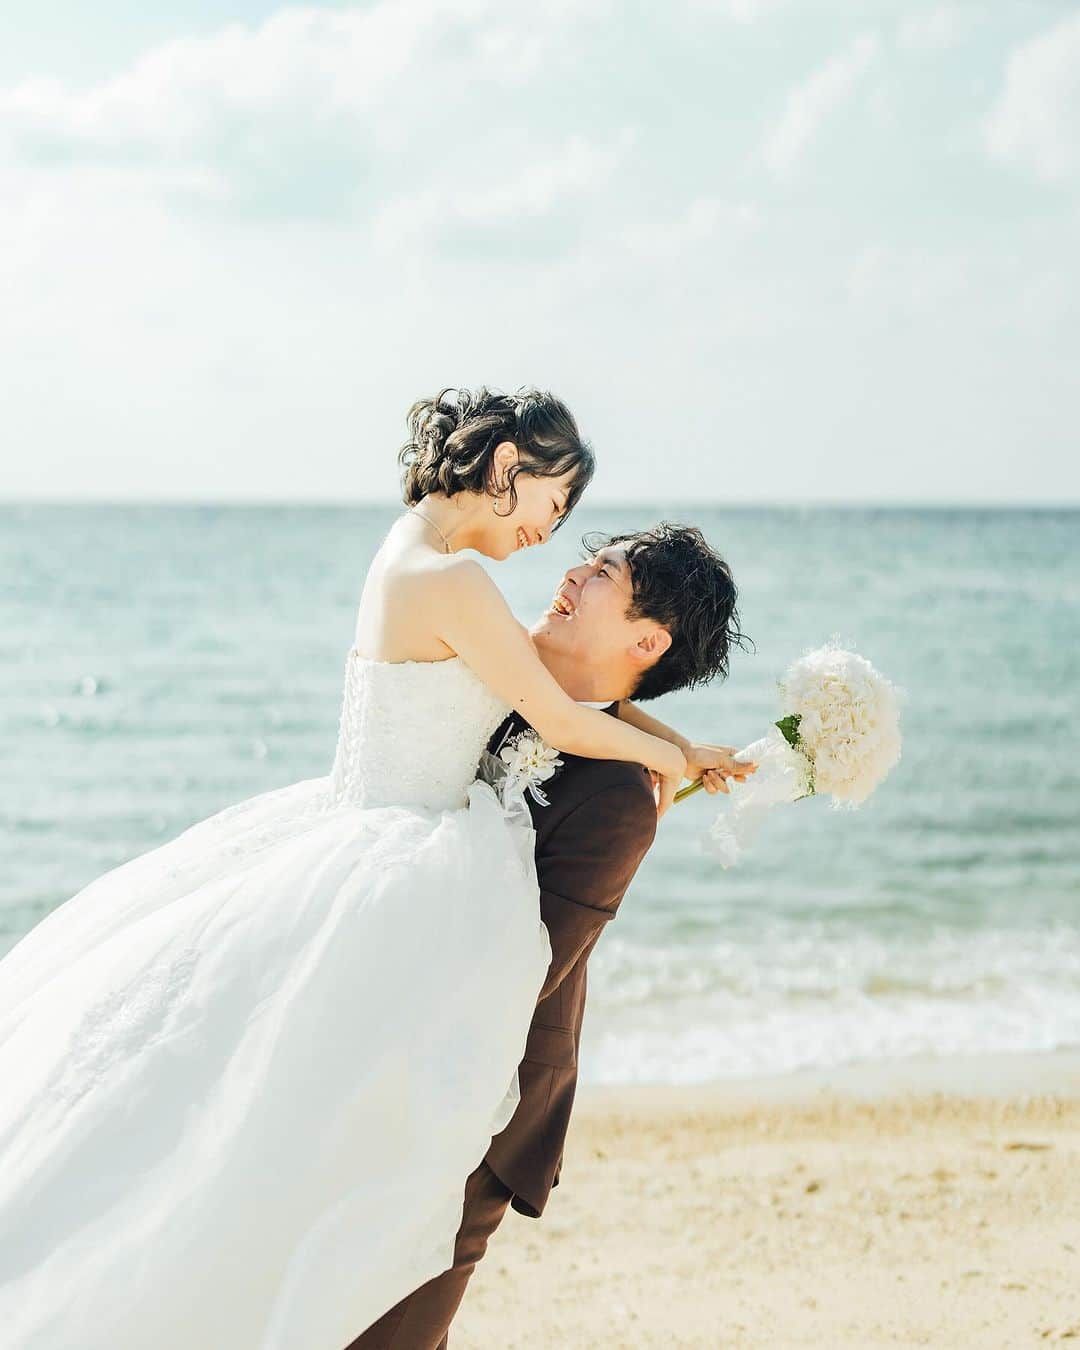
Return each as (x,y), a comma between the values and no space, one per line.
(633,716)
(470,615)
(712,763)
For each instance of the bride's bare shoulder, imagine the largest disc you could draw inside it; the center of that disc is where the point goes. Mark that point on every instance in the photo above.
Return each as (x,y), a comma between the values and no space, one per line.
(409,595)
(463,580)
(411,567)
(409,576)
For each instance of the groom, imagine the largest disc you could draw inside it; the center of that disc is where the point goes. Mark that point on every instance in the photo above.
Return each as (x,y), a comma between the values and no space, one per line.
(648,613)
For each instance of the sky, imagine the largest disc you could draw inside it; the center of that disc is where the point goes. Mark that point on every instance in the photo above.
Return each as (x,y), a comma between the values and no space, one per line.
(768,251)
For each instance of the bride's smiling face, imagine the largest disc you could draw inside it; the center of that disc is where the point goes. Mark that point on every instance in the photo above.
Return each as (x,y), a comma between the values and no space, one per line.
(541,504)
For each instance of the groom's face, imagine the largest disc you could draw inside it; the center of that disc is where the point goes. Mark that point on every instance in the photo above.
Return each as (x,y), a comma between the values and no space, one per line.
(588,616)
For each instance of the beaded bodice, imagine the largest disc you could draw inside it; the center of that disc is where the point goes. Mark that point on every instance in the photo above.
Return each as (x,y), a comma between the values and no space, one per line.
(412,732)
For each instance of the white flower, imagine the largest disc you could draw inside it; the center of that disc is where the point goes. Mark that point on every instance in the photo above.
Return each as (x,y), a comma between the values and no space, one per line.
(849,721)
(529,762)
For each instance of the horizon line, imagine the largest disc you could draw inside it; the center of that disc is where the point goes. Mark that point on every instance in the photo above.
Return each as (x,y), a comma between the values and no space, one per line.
(612,503)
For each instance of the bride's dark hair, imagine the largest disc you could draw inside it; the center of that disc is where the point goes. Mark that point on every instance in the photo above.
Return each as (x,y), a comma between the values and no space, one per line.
(452,438)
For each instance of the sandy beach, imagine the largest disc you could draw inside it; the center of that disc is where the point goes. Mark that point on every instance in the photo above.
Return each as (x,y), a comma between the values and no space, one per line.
(934,1204)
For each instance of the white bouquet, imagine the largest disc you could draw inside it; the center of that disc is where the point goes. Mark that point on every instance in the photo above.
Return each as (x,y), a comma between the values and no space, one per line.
(839,737)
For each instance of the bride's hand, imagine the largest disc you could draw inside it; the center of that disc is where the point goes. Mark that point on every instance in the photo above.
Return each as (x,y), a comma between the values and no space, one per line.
(667,780)
(715,763)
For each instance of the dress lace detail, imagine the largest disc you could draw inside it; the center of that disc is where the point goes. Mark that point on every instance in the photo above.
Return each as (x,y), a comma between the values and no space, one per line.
(411,733)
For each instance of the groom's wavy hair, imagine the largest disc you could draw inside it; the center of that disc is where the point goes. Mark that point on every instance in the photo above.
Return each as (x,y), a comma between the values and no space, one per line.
(680,582)
(453,436)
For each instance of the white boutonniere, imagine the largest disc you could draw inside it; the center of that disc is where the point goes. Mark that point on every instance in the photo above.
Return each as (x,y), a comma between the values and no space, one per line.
(529,762)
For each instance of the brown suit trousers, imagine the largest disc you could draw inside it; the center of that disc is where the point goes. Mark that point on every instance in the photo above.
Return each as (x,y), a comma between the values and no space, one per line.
(421,1321)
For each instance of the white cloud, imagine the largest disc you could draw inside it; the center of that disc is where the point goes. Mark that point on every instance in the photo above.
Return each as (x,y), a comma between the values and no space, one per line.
(310,93)
(691,271)
(313,62)
(1035,123)
(542,185)
(166,329)
(936,29)
(706,220)
(810,103)
(887,283)
(739,11)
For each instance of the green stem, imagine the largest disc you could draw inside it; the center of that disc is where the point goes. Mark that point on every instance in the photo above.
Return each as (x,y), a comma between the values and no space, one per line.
(788,725)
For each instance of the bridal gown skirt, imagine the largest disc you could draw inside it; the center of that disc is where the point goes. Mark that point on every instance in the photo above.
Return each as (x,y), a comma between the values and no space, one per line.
(244,1077)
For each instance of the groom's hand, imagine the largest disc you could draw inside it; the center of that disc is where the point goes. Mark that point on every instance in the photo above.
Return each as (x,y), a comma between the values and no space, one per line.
(713,764)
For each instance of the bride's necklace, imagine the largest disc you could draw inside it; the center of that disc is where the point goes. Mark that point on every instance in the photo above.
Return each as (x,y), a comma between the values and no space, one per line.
(446,542)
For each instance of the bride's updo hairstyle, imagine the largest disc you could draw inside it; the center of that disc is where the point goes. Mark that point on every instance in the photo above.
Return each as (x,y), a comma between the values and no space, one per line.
(452,439)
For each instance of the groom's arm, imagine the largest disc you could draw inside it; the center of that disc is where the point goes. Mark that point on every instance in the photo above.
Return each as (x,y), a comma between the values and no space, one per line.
(584,866)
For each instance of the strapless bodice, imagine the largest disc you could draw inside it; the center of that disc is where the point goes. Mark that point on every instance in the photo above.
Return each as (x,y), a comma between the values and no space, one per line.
(411,733)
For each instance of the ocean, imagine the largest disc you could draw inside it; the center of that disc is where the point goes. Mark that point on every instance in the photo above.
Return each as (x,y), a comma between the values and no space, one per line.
(161,662)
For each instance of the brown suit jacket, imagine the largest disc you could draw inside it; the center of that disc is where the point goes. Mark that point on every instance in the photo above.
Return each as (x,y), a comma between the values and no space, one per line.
(589,842)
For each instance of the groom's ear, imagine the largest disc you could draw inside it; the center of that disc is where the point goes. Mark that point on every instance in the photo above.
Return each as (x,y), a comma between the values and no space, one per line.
(650,647)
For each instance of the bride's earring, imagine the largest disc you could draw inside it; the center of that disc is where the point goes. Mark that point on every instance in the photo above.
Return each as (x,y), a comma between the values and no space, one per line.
(502,494)
(501,478)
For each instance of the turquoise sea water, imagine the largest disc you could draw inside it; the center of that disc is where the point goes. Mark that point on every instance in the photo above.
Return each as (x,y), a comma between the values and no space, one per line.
(161,662)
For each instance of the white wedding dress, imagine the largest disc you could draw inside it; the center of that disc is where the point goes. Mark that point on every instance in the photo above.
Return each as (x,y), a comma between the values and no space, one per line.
(244,1077)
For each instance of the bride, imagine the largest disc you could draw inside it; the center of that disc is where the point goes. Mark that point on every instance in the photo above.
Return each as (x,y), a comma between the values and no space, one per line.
(245,1075)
